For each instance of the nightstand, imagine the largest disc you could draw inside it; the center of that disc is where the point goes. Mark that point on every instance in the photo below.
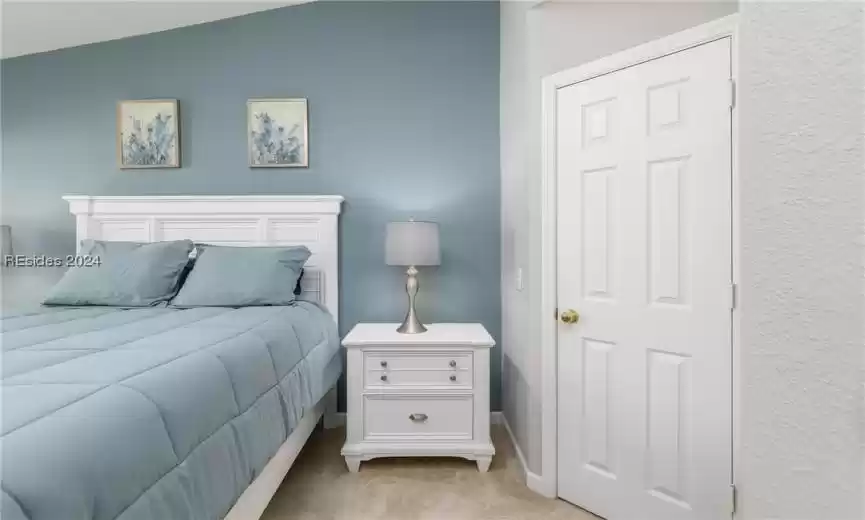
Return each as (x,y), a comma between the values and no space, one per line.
(418,395)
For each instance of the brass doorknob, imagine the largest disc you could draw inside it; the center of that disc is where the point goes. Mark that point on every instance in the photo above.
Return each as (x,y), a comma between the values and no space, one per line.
(570,316)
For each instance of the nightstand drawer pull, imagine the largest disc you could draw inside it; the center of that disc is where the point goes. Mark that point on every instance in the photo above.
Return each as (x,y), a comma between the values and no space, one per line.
(453,363)
(453,378)
(384,364)
(418,417)
(384,377)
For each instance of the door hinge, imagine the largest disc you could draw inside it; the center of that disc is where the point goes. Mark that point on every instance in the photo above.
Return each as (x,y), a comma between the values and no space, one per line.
(734,498)
(734,296)
(732,93)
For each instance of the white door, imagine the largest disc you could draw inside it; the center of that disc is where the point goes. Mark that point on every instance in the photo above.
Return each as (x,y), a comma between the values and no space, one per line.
(644,256)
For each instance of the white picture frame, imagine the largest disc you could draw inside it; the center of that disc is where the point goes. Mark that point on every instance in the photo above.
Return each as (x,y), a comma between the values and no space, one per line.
(148,134)
(278,133)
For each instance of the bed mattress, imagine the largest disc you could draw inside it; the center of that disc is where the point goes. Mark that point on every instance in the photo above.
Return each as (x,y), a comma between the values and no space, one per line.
(153,413)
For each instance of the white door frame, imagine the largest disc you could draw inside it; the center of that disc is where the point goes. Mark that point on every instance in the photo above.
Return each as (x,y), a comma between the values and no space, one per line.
(726,27)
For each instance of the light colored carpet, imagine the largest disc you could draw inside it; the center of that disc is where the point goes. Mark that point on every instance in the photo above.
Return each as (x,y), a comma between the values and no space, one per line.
(319,487)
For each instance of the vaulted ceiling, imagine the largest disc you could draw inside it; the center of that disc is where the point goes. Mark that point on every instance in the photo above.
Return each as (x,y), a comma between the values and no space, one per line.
(31,26)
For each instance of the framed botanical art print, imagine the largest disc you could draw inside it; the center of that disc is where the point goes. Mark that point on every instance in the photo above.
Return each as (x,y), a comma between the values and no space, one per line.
(278,131)
(148,134)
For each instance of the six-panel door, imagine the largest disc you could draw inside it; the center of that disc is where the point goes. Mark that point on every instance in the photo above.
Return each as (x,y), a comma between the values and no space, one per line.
(644,255)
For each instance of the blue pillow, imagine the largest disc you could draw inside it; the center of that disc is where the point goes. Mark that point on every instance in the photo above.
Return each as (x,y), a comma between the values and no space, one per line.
(225,276)
(298,288)
(128,274)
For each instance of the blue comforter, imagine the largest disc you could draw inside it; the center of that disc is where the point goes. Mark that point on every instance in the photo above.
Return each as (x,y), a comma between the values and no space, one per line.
(153,413)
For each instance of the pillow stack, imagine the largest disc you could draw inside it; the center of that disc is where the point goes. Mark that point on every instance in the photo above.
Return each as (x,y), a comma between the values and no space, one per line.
(242,276)
(129,274)
(134,274)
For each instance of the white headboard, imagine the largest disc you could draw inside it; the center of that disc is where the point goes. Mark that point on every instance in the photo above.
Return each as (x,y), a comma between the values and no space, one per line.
(309,220)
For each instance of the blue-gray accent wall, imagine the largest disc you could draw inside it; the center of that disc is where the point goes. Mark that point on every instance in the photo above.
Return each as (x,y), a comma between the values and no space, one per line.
(404,121)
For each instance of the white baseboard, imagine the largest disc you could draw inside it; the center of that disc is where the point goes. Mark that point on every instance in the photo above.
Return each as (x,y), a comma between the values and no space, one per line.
(533,480)
(524,467)
(338,419)
(537,484)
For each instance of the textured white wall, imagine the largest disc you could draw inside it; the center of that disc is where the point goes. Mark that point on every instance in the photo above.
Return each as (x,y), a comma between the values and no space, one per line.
(802,204)
(536,41)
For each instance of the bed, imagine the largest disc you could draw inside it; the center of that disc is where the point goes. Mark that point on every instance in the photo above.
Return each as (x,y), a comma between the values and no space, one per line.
(146,413)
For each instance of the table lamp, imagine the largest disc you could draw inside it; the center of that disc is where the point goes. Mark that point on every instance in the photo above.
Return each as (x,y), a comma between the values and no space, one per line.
(412,244)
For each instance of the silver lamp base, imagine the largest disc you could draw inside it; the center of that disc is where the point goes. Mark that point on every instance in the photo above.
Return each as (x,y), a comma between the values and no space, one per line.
(411,325)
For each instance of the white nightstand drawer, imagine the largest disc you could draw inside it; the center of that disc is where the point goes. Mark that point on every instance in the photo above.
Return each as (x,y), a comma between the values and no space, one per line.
(394,361)
(397,417)
(419,378)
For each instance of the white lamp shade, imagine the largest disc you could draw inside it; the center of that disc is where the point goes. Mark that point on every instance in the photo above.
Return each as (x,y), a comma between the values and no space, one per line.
(5,241)
(412,243)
